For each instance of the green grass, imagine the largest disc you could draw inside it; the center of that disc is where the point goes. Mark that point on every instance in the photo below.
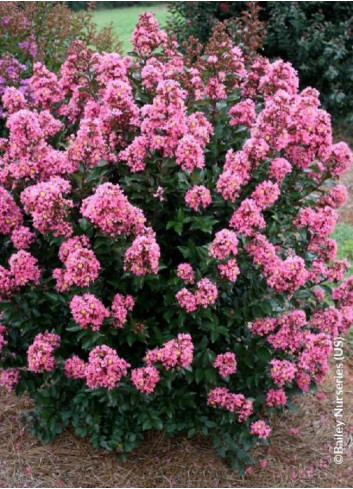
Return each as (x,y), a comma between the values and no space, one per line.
(343,234)
(125,19)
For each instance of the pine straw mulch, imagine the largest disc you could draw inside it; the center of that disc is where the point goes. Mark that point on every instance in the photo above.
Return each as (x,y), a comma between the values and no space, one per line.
(301,459)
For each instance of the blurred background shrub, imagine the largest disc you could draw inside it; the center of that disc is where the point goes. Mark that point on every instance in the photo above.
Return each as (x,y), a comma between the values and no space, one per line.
(43,31)
(316,37)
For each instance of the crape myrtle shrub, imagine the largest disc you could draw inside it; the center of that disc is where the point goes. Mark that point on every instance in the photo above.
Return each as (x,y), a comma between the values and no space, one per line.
(43,31)
(314,36)
(165,252)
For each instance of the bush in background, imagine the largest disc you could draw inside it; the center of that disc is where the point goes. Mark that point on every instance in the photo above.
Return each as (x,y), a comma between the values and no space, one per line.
(43,31)
(317,38)
(165,253)
(314,36)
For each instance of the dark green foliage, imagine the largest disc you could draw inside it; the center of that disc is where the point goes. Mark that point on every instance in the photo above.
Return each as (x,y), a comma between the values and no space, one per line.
(316,37)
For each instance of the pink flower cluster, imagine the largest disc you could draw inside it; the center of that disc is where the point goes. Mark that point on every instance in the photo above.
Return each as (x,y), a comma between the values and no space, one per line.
(344,293)
(81,266)
(335,197)
(265,194)
(23,270)
(247,219)
(167,129)
(9,378)
(3,333)
(147,36)
(28,155)
(205,295)
(40,353)
(145,379)
(48,207)
(22,238)
(315,356)
(198,197)
(88,311)
(121,305)
(75,368)
(328,321)
(260,429)
(276,397)
(142,257)
(224,245)
(226,364)
(10,214)
(283,275)
(235,175)
(320,222)
(279,168)
(282,371)
(177,353)
(110,211)
(104,368)
(186,273)
(243,113)
(229,270)
(235,403)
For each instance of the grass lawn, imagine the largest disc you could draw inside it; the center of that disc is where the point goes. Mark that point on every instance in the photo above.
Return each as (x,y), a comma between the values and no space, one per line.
(125,19)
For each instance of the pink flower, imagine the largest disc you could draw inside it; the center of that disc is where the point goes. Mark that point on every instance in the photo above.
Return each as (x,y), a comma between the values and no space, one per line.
(288,275)
(247,219)
(235,403)
(198,196)
(142,257)
(189,154)
(81,266)
(9,378)
(206,293)
(335,197)
(104,368)
(265,194)
(10,214)
(260,429)
(24,268)
(135,154)
(40,353)
(321,222)
(224,244)
(229,270)
(340,159)
(3,333)
(75,368)
(145,379)
(121,305)
(109,210)
(226,364)
(279,75)
(276,398)
(48,207)
(187,300)
(282,371)
(174,354)
(236,173)
(243,113)
(147,36)
(88,311)
(186,273)
(279,168)
(22,237)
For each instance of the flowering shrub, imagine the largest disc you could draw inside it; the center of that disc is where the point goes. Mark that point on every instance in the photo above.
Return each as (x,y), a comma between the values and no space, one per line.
(43,31)
(165,227)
